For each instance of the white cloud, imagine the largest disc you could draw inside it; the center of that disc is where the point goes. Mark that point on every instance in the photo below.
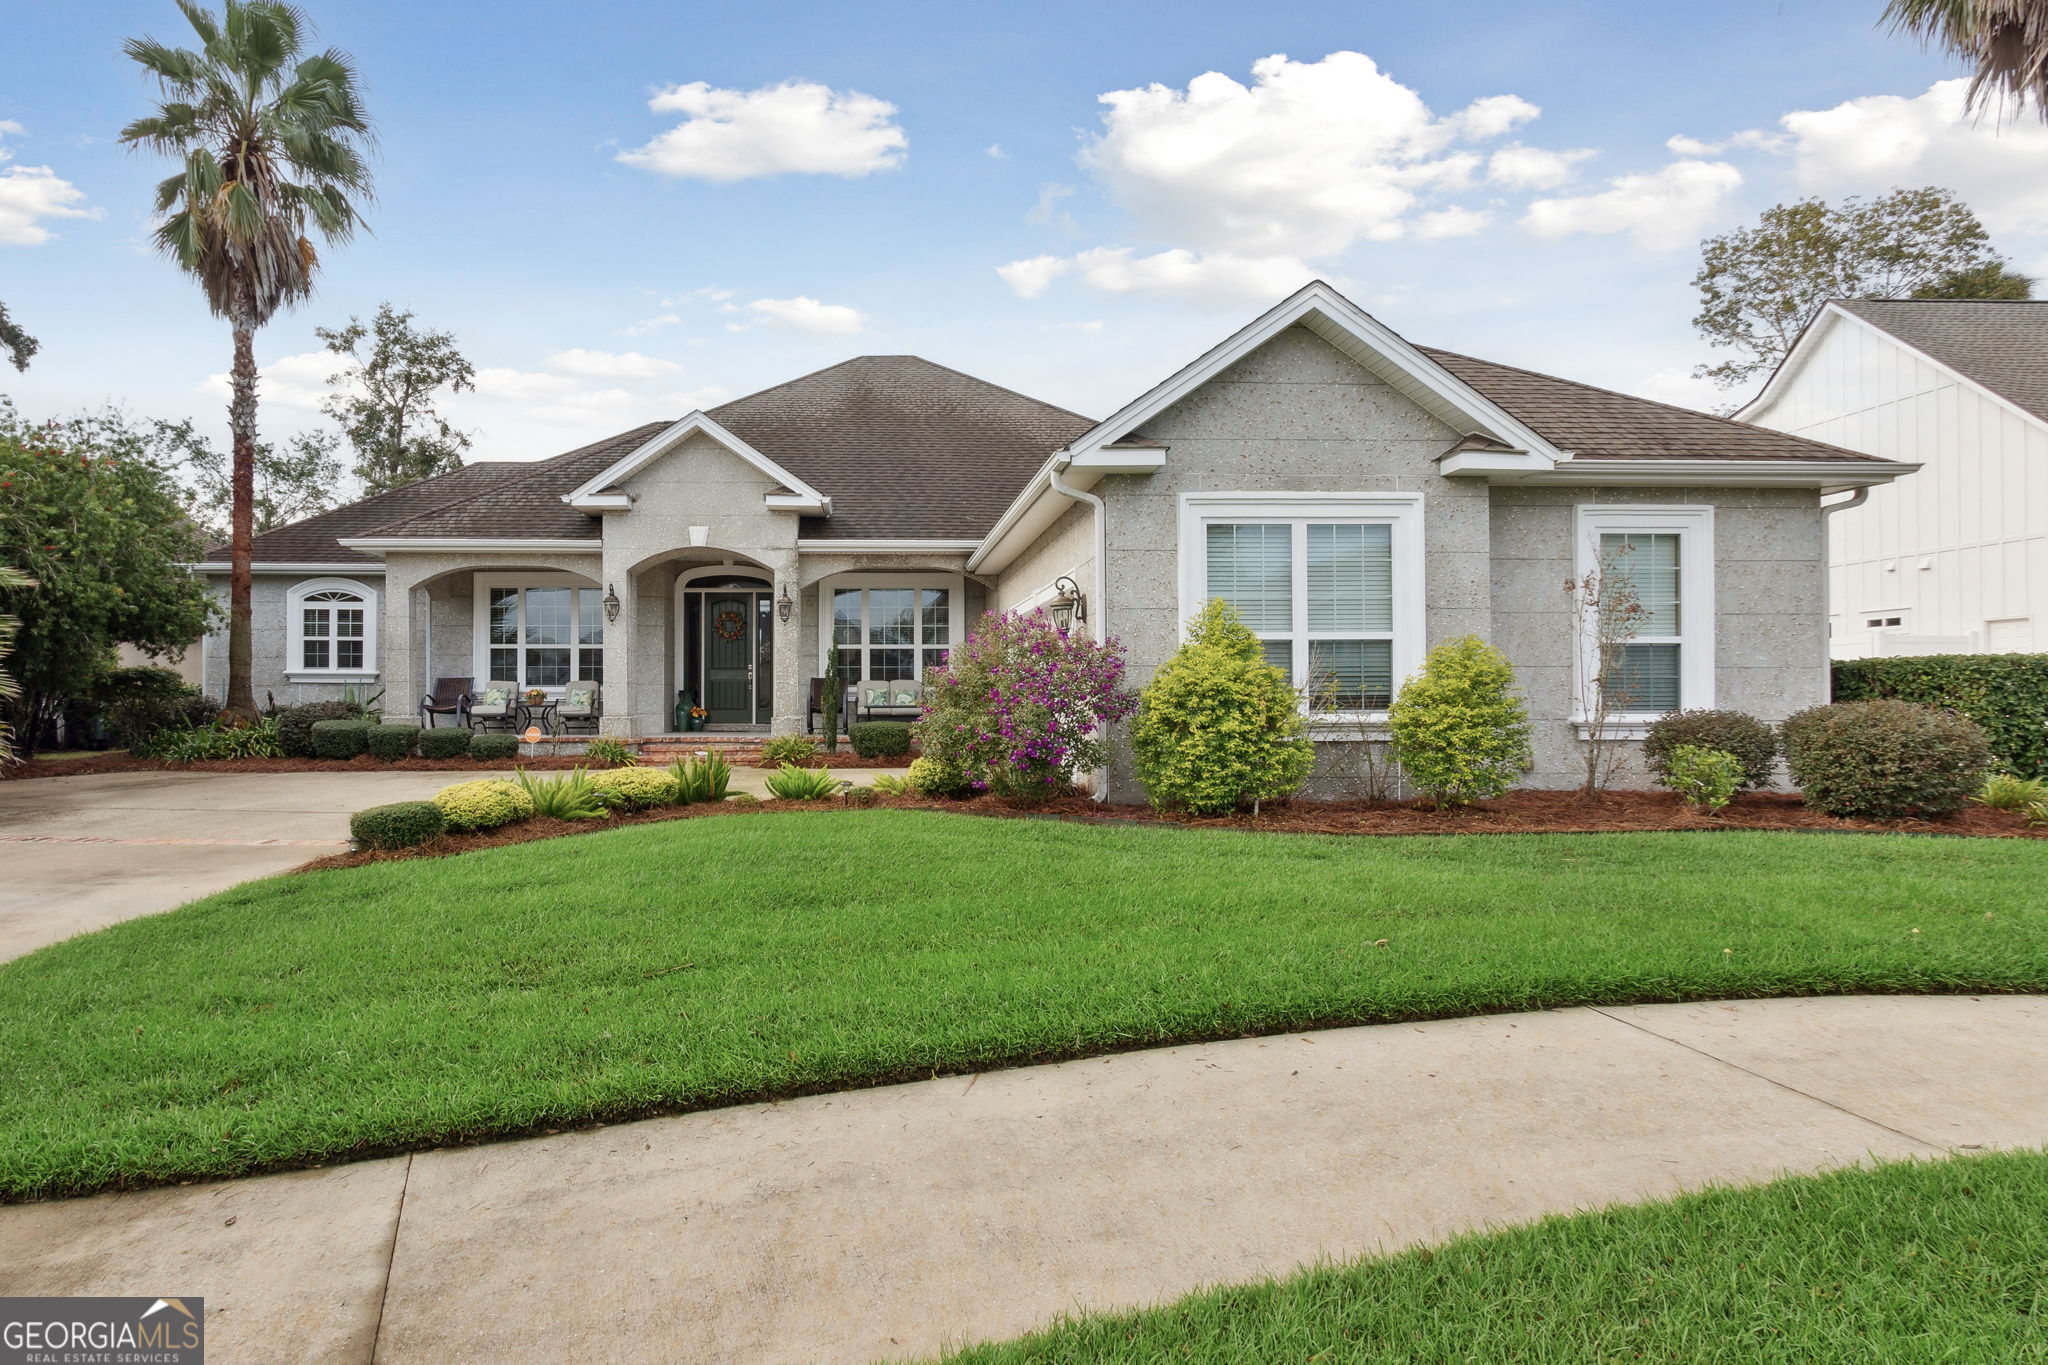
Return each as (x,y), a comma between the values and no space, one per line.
(1660,211)
(1881,142)
(1677,386)
(1307,160)
(654,324)
(799,127)
(802,314)
(1451,222)
(1120,270)
(586,406)
(521,385)
(1048,211)
(995,149)
(685,401)
(1534,168)
(30,193)
(1029,278)
(611,364)
(293,381)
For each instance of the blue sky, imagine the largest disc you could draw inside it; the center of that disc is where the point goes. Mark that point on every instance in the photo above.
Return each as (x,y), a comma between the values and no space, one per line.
(822,181)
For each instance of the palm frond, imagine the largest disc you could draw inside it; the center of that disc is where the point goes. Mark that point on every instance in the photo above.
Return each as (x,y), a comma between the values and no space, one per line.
(2005,41)
(176,67)
(202,21)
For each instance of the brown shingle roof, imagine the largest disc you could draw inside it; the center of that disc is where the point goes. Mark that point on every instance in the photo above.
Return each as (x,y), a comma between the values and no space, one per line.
(2000,344)
(904,448)
(1600,424)
(530,505)
(312,541)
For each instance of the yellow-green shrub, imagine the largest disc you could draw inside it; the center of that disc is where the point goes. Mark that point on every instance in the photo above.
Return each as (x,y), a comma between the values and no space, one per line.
(635,788)
(934,777)
(1218,727)
(483,804)
(1460,732)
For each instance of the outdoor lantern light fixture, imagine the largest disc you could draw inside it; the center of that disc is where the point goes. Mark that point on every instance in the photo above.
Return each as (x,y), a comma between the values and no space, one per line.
(784,604)
(1070,607)
(611,604)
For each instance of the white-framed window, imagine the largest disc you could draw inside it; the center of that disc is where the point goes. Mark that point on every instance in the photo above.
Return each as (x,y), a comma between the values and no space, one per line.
(331,628)
(1666,555)
(538,630)
(1331,583)
(890,627)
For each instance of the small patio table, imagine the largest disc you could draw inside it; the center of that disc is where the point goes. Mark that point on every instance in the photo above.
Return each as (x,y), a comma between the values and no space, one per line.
(537,713)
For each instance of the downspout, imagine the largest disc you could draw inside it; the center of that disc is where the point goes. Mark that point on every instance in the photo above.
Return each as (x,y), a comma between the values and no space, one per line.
(1857,497)
(1058,485)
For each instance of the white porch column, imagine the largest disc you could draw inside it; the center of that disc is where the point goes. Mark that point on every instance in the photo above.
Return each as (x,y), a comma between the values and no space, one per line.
(400,644)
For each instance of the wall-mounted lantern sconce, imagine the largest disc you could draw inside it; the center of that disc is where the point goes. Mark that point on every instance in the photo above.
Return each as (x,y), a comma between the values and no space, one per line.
(611,604)
(785,604)
(1070,608)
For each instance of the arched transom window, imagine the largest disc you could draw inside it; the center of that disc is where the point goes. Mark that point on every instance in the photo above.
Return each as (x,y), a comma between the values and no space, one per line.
(333,628)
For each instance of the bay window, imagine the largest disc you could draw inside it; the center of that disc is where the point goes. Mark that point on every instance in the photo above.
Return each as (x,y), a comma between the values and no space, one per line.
(1664,558)
(1330,583)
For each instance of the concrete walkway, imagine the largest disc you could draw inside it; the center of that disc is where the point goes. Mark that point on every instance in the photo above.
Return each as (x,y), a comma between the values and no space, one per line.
(80,853)
(891,1222)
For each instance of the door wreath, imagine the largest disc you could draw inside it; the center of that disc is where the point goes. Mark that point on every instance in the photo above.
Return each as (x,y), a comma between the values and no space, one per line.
(730,625)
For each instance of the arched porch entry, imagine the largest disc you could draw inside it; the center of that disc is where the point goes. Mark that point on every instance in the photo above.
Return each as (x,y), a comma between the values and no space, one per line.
(725,643)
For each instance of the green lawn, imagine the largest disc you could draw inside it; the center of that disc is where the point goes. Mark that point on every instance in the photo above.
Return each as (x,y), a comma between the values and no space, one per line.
(702,962)
(1930,1261)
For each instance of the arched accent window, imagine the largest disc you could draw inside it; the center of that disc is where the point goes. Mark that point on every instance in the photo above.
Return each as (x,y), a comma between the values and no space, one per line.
(331,627)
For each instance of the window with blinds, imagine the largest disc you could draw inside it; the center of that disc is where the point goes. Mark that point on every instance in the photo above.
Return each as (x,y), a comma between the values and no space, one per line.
(1320,596)
(1647,676)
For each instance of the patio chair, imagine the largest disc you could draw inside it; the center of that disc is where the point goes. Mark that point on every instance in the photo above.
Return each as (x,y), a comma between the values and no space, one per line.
(902,698)
(493,706)
(450,697)
(817,706)
(582,704)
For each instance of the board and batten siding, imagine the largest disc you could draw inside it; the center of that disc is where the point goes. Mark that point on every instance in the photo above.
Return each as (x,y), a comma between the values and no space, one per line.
(1957,553)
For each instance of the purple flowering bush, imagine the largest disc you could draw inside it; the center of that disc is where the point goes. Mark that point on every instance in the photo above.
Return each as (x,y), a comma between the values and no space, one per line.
(1020,706)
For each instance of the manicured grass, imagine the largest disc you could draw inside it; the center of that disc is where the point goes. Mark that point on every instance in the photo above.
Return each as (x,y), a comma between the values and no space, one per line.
(1923,1261)
(701,962)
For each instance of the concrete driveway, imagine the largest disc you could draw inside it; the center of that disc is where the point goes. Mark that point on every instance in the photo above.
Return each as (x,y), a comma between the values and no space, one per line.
(79,853)
(890,1223)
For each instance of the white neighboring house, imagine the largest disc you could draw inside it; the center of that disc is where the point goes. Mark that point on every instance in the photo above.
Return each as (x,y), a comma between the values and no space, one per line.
(1955,559)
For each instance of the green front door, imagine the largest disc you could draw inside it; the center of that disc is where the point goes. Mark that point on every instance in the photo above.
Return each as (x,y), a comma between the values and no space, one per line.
(730,625)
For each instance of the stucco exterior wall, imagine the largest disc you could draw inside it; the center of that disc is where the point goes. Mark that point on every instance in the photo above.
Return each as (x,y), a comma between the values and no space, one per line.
(1770,628)
(270,629)
(1067,547)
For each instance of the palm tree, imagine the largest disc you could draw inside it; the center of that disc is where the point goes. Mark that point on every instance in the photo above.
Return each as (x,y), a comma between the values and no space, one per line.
(2006,40)
(272,144)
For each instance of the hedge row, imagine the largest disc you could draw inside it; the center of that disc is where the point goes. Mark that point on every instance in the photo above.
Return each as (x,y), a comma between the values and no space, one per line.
(2006,694)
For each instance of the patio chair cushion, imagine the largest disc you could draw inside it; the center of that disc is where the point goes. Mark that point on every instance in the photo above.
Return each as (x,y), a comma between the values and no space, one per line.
(906,694)
(580,701)
(875,695)
(493,699)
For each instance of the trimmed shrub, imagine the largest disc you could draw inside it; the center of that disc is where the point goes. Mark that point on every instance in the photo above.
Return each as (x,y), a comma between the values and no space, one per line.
(1460,732)
(445,742)
(295,724)
(930,776)
(1753,743)
(392,742)
(491,748)
(789,749)
(1706,778)
(743,799)
(860,796)
(1021,705)
(2006,694)
(1885,759)
(606,752)
(1218,727)
(880,738)
(483,804)
(635,788)
(401,824)
(340,738)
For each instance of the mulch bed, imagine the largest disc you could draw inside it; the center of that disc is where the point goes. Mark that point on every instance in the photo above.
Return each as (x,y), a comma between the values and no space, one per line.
(128,763)
(1523,812)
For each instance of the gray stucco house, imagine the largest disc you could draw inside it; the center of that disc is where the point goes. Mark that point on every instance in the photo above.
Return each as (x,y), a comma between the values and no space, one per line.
(1357,497)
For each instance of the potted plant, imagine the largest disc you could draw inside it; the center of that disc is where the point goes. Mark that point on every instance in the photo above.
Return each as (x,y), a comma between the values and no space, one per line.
(534,696)
(698,715)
